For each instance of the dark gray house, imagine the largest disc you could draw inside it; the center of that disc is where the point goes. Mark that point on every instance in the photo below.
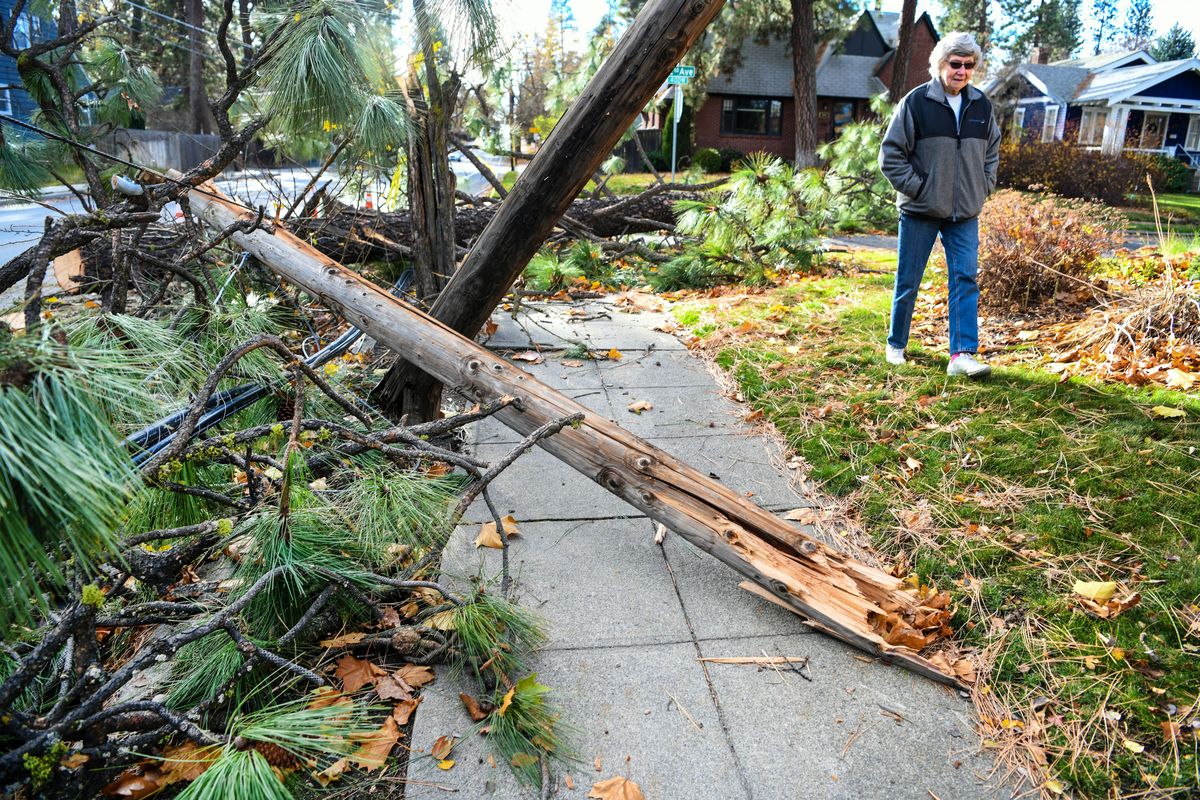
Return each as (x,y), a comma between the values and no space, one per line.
(1116,102)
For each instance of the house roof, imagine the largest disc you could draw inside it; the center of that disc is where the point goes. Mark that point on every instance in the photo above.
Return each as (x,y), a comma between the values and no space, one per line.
(1060,83)
(1106,61)
(848,76)
(888,24)
(765,71)
(1116,85)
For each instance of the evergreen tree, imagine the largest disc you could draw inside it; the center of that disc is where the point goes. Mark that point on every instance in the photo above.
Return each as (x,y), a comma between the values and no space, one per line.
(1053,25)
(1105,14)
(1175,44)
(1139,25)
(970,16)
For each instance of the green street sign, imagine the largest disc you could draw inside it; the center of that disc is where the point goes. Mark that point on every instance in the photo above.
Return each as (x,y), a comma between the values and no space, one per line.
(684,72)
(680,80)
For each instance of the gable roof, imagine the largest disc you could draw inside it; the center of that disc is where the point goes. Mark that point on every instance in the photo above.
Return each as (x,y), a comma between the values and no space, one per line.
(1107,61)
(1058,83)
(1116,85)
(765,71)
(848,76)
(888,25)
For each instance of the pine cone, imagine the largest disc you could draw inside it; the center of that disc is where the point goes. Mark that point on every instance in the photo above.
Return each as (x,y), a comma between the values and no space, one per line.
(277,757)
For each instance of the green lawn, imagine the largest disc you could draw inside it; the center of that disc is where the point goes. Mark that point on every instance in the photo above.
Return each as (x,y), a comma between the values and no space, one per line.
(1006,492)
(1180,212)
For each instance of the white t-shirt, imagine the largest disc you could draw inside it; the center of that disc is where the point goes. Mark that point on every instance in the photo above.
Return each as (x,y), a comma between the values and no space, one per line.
(955,101)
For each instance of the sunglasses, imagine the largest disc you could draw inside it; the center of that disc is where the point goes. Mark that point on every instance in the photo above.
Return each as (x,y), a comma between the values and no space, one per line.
(957,65)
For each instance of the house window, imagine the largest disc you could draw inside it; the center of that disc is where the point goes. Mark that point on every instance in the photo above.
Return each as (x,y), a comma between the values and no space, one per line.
(752,116)
(6,102)
(20,34)
(1050,124)
(843,115)
(1018,121)
(1192,142)
(1154,131)
(1091,126)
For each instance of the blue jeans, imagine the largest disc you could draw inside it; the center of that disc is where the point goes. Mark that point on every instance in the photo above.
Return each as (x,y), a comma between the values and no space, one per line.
(961,240)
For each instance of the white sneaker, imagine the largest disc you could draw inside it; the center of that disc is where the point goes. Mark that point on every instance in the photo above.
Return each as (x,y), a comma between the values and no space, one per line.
(965,364)
(895,356)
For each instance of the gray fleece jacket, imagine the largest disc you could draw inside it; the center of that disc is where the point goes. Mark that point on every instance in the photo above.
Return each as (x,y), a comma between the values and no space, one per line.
(939,169)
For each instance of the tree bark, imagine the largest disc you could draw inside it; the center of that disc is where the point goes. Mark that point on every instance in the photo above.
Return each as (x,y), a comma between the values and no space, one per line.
(579,143)
(857,603)
(199,113)
(804,82)
(908,15)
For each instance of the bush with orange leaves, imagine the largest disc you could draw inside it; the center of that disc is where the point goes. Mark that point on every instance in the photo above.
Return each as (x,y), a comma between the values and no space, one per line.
(1071,171)
(1031,247)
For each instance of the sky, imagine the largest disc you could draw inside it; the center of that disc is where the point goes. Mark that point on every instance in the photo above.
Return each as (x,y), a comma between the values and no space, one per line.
(529,16)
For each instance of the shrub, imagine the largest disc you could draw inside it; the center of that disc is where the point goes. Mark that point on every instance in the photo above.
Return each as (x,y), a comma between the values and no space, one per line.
(730,158)
(1064,169)
(658,160)
(1168,174)
(1032,247)
(707,159)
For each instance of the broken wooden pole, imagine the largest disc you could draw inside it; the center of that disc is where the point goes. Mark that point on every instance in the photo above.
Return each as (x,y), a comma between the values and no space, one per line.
(852,601)
(662,33)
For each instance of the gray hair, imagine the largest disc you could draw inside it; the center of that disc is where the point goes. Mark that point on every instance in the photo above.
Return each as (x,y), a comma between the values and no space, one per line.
(953,44)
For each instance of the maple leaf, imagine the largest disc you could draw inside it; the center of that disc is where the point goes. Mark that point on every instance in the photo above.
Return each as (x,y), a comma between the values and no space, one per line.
(618,788)
(389,687)
(186,762)
(376,746)
(356,673)
(414,675)
(489,538)
(333,772)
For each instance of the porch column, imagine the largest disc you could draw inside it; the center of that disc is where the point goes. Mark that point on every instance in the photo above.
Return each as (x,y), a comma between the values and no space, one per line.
(1114,130)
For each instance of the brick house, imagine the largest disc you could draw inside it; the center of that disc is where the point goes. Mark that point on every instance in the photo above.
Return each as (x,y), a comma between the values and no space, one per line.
(1115,102)
(751,108)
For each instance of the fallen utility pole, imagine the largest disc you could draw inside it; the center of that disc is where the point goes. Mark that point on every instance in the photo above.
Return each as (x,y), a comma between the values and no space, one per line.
(662,33)
(854,602)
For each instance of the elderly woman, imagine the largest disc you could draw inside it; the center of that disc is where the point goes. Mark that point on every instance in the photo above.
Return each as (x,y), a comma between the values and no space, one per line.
(940,154)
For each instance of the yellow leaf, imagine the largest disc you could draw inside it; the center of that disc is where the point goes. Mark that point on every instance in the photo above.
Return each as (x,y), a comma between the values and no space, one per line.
(1100,591)
(333,772)
(1166,411)
(1133,746)
(615,354)
(489,538)
(618,788)
(638,406)
(1054,786)
(1180,379)
(446,763)
(507,701)
(442,621)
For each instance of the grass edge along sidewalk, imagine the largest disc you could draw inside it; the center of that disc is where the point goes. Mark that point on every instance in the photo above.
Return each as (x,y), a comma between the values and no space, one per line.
(1062,514)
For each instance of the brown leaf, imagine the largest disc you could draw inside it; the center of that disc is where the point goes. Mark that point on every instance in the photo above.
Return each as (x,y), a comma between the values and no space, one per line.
(570,782)
(472,706)
(415,676)
(333,772)
(344,640)
(618,788)
(805,516)
(391,688)
(638,406)
(74,761)
(442,747)
(753,416)
(326,696)
(442,621)
(391,618)
(531,356)
(356,673)
(186,762)
(490,327)
(489,538)
(403,711)
(135,783)
(571,362)
(375,747)
(520,760)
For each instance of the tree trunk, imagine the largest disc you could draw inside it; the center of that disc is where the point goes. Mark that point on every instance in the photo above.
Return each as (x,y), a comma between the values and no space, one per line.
(857,603)
(908,15)
(244,23)
(579,143)
(199,112)
(804,82)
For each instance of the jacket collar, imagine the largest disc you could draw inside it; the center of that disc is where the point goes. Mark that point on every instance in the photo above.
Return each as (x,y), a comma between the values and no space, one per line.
(935,92)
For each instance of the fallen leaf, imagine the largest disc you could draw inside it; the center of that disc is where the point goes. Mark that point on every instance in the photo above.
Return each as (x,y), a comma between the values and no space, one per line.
(344,640)
(531,356)
(326,696)
(1168,412)
(333,772)
(442,621)
(522,760)
(186,762)
(403,711)
(805,516)
(489,538)
(414,675)
(490,327)
(506,701)
(373,752)
(1100,591)
(446,763)
(74,761)
(618,788)
(569,781)
(476,712)
(135,783)
(1132,746)
(442,747)
(571,362)
(390,619)
(615,354)
(596,763)
(1054,786)
(638,406)
(391,688)
(912,463)
(356,673)
(1180,379)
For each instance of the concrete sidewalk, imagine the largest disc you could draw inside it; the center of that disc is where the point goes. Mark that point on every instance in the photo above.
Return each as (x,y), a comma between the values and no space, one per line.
(629,620)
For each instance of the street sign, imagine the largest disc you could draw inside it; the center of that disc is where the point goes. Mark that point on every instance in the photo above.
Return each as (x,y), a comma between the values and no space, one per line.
(685,72)
(677,80)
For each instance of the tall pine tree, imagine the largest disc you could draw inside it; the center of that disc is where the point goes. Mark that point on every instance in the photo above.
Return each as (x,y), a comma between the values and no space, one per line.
(1052,25)
(1104,12)
(1139,25)
(970,16)
(1175,44)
